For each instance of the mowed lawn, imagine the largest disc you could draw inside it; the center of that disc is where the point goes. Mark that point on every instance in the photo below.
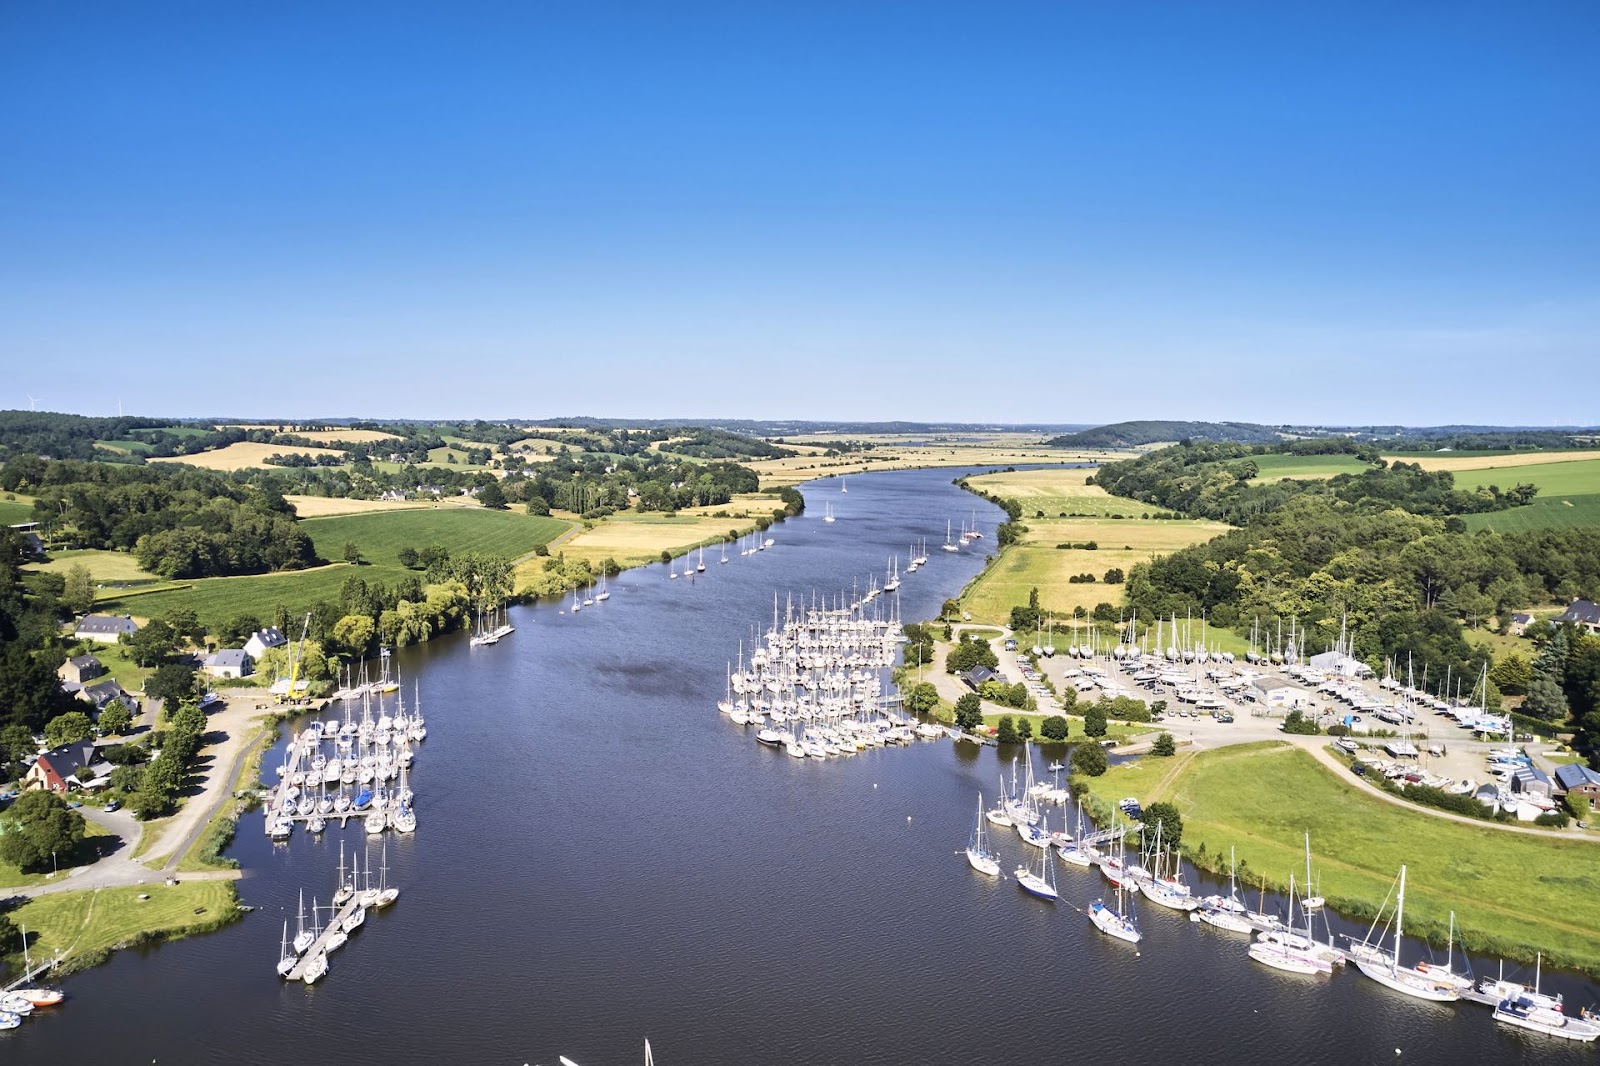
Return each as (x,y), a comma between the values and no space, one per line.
(380,535)
(1510,891)
(1036,562)
(106,567)
(83,923)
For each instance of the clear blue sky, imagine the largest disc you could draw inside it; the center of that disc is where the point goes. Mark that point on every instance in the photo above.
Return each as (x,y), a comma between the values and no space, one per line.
(1072,212)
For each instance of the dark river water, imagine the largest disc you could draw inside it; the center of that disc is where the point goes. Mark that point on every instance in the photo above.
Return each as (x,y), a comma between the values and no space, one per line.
(601,857)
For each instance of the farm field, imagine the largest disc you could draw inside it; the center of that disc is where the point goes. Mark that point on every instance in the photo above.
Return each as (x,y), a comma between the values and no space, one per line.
(634,539)
(327,506)
(1036,562)
(1280,467)
(106,567)
(1545,512)
(123,447)
(1464,461)
(903,452)
(243,456)
(216,600)
(1510,891)
(381,535)
(335,437)
(1574,477)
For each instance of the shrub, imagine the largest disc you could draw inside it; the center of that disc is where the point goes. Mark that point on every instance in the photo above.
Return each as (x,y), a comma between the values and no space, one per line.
(1556,819)
(1164,746)
(1054,727)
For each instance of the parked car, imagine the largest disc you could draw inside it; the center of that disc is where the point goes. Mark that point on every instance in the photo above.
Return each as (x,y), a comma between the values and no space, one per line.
(114,805)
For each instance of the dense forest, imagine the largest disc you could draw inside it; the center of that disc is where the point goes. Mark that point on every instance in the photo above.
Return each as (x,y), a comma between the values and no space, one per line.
(1219,481)
(1137,434)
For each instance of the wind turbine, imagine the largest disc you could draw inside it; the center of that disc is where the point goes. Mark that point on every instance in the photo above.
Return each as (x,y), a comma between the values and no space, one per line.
(32,403)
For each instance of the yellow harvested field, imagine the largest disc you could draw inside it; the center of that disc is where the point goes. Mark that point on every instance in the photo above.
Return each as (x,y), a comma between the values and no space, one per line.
(103,565)
(346,436)
(900,452)
(243,456)
(328,506)
(632,541)
(1492,462)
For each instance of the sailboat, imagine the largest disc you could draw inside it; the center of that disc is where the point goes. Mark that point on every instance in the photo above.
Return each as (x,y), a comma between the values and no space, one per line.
(605,592)
(286,958)
(387,894)
(949,545)
(844,485)
(1225,912)
(1288,951)
(828,515)
(316,969)
(1041,884)
(303,937)
(1385,967)
(979,856)
(1112,921)
(724,552)
(700,564)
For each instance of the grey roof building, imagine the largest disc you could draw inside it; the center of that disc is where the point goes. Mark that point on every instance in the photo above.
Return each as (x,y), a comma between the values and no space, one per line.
(262,640)
(1576,777)
(1585,613)
(229,662)
(106,628)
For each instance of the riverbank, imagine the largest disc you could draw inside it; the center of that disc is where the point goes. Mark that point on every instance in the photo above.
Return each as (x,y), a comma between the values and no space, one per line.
(1514,894)
(86,927)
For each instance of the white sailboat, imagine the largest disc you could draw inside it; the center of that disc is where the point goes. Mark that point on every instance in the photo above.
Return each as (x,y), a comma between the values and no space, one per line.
(978,855)
(1113,921)
(1538,1013)
(724,552)
(1385,967)
(828,513)
(700,565)
(1041,884)
(303,937)
(286,958)
(949,545)
(605,591)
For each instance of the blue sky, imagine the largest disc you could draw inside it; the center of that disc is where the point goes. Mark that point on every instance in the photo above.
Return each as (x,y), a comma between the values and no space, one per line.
(1334,213)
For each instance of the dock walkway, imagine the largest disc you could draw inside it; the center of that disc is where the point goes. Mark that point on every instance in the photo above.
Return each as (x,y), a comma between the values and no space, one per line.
(320,945)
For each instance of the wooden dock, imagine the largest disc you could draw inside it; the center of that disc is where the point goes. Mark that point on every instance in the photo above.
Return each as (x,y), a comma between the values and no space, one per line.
(320,945)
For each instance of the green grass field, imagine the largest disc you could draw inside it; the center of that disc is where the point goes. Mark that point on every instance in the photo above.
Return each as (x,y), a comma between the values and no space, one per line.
(1545,512)
(216,600)
(13,511)
(1578,478)
(1278,467)
(104,566)
(12,877)
(1513,893)
(85,924)
(381,534)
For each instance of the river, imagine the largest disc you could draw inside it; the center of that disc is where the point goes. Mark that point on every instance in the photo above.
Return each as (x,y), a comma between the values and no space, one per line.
(601,857)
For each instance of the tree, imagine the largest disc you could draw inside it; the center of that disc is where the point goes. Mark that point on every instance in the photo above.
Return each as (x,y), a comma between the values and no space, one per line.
(1094,721)
(1114,576)
(492,496)
(537,505)
(116,718)
(16,742)
(922,698)
(169,684)
(1006,731)
(354,632)
(1164,746)
(185,623)
(407,557)
(153,643)
(969,712)
(1089,759)
(352,553)
(1024,730)
(1165,815)
(68,728)
(1545,699)
(78,595)
(40,829)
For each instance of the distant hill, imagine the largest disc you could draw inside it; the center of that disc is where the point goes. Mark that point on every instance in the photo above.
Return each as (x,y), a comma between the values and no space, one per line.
(1135,434)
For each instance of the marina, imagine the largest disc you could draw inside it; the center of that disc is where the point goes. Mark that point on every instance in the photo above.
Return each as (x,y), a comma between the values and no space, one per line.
(642,850)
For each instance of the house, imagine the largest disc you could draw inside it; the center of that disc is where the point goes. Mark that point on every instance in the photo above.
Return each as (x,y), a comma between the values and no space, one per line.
(1576,779)
(229,662)
(1531,781)
(979,676)
(105,628)
(82,668)
(1276,692)
(100,693)
(1582,613)
(32,546)
(1520,624)
(44,774)
(263,640)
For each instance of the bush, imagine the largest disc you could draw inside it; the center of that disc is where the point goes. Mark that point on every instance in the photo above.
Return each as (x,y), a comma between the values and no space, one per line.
(1338,729)
(1579,806)
(1089,760)
(1164,746)
(1300,725)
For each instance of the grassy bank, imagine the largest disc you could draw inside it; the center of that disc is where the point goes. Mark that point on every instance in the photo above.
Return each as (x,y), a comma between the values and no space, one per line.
(1514,894)
(87,926)
(381,534)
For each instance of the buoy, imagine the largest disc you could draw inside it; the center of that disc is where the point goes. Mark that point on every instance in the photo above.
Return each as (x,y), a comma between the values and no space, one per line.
(908,819)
